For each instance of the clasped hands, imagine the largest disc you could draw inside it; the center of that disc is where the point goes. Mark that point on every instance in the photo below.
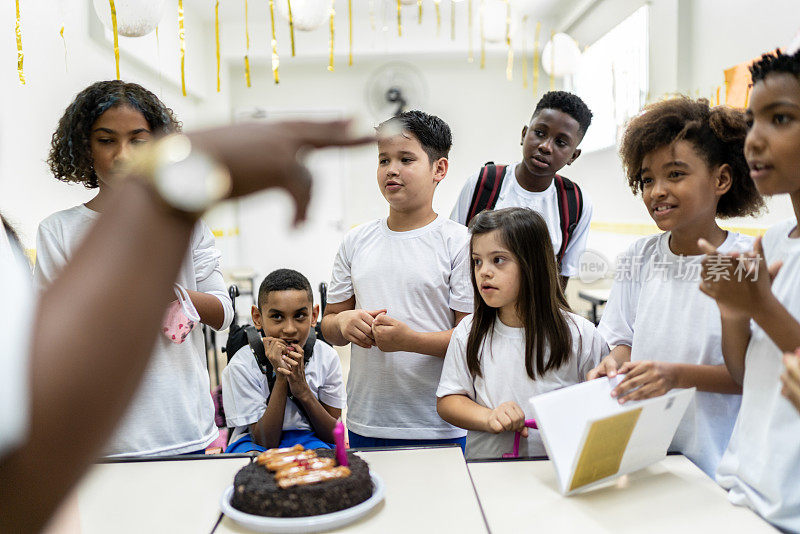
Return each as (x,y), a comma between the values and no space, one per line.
(287,360)
(375,328)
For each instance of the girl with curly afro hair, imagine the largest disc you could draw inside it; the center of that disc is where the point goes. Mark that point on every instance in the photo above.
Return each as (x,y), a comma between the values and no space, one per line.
(173,412)
(686,159)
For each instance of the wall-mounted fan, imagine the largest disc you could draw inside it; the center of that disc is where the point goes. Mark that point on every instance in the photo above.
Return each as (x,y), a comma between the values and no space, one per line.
(394,88)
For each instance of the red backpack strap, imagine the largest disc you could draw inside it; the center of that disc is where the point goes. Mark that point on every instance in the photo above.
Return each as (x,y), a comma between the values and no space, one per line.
(487,188)
(570,205)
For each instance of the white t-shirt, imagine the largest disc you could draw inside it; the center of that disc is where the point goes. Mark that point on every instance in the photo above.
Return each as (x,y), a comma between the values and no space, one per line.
(16,316)
(761,466)
(656,308)
(245,389)
(172,411)
(545,203)
(504,378)
(420,276)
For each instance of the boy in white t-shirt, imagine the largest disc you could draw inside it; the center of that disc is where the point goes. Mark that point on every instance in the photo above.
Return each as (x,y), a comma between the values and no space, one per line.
(549,142)
(400,285)
(306,399)
(759,312)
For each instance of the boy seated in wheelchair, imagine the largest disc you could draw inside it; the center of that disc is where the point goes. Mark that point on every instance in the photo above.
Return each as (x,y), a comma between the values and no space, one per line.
(285,388)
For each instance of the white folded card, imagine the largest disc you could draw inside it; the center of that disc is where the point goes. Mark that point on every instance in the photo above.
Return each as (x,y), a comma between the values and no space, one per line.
(592,438)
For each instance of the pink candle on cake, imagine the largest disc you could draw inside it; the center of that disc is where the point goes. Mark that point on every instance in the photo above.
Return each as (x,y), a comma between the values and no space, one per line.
(338,437)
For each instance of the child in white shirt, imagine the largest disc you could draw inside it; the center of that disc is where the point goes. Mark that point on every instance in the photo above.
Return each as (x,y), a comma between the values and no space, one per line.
(687,161)
(267,418)
(760,310)
(521,341)
(399,286)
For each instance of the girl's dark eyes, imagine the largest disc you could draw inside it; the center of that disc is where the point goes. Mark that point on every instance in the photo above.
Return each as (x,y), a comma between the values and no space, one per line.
(646,181)
(780,118)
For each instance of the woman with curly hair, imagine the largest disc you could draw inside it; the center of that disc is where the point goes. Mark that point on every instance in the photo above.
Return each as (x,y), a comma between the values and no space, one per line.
(173,412)
(687,161)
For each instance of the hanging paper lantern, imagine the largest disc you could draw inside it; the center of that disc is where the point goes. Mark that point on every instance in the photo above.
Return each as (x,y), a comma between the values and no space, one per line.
(561,55)
(494,21)
(135,18)
(307,15)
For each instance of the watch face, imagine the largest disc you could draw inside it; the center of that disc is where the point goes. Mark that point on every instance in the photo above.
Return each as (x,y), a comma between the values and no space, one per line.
(193,184)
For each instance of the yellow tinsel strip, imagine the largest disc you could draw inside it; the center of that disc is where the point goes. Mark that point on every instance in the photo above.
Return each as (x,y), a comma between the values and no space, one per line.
(216,34)
(510,63)
(350,23)
(536,59)
(419,11)
(552,61)
(483,38)
(471,56)
(291,23)
(20,55)
(525,52)
(333,27)
(64,41)
(399,18)
(452,20)
(247,41)
(438,4)
(116,34)
(182,39)
(275,58)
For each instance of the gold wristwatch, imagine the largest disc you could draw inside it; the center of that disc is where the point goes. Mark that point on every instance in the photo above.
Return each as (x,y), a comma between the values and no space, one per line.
(183,178)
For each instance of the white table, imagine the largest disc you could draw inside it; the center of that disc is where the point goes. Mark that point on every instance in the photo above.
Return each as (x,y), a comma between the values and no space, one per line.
(174,496)
(427,490)
(671,496)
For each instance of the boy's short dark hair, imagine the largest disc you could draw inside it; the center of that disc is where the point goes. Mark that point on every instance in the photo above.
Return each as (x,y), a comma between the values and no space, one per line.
(282,280)
(432,132)
(569,103)
(775,62)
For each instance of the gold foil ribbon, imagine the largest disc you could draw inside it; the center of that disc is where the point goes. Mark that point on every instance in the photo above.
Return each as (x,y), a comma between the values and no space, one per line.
(471,56)
(113,25)
(275,59)
(350,23)
(483,36)
(399,18)
(452,20)
(64,42)
(216,34)
(333,27)
(247,46)
(536,59)
(20,55)
(717,100)
(510,63)
(419,11)
(182,39)
(291,23)
(438,4)
(525,51)
(552,60)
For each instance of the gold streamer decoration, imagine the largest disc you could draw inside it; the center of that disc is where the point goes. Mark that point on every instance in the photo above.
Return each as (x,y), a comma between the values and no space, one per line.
(483,37)
(471,28)
(291,23)
(275,59)
(438,4)
(182,39)
(113,25)
(216,34)
(536,59)
(399,19)
(419,11)
(717,99)
(247,41)
(372,15)
(333,27)
(452,20)
(20,55)
(552,61)
(510,63)
(64,42)
(350,23)
(525,51)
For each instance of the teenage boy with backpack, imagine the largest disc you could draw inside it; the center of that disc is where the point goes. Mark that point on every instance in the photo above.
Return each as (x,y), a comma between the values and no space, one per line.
(283,387)
(549,142)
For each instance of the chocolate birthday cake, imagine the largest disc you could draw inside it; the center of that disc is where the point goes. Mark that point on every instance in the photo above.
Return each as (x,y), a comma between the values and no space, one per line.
(298,483)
